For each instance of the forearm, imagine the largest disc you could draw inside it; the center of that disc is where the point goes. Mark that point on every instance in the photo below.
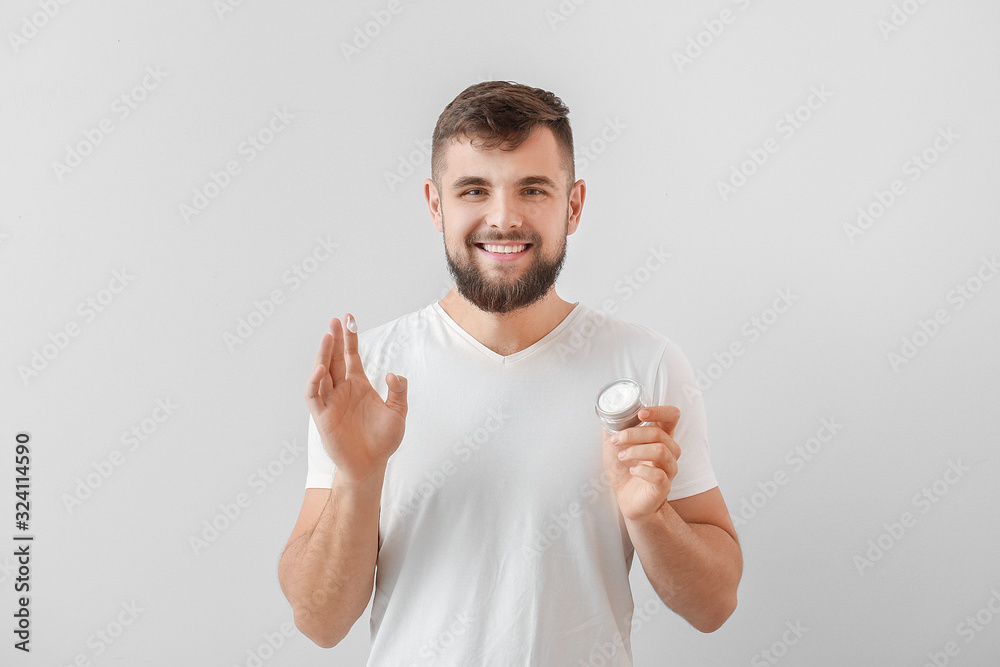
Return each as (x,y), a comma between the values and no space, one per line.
(328,575)
(694,568)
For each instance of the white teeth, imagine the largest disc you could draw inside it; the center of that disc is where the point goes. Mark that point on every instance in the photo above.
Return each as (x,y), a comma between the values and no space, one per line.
(505,249)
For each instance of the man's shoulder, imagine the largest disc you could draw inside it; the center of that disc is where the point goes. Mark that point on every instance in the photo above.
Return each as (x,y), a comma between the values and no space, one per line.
(615,328)
(403,326)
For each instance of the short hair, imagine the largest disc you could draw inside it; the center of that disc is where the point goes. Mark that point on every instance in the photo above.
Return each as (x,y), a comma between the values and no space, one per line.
(504,114)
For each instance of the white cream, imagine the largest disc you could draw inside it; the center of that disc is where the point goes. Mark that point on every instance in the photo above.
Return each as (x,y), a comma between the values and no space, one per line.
(618,397)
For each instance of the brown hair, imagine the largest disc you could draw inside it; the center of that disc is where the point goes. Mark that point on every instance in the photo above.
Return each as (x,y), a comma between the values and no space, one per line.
(504,114)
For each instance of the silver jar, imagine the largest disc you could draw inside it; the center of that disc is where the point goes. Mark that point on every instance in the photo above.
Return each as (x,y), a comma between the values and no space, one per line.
(618,404)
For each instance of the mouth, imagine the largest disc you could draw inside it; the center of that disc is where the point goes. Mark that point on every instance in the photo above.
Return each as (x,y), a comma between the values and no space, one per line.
(504,252)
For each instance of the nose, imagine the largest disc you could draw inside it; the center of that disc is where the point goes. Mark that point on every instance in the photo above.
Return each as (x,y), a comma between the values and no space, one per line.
(504,212)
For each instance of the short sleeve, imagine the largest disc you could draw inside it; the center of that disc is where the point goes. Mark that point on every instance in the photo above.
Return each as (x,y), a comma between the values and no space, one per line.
(319,474)
(676,385)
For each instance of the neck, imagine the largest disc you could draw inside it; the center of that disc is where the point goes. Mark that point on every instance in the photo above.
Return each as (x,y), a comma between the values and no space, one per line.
(507,333)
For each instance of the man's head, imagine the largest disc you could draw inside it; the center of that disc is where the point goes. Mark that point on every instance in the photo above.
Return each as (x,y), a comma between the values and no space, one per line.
(501,114)
(502,168)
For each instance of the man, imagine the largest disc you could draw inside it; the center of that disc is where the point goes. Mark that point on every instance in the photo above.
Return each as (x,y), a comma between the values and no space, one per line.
(504,523)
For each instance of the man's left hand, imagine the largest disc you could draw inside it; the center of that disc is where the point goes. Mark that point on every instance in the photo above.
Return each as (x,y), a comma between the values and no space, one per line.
(641,480)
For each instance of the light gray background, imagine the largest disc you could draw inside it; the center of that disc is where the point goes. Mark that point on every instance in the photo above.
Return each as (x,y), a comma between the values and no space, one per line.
(670,133)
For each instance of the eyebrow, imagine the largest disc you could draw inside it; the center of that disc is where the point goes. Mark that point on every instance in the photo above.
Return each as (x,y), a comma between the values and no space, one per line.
(466,181)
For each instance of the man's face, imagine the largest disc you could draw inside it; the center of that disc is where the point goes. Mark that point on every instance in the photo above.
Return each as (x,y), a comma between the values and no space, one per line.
(517,200)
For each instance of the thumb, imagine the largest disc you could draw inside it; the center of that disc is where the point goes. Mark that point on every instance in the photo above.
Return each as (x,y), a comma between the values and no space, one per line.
(396,398)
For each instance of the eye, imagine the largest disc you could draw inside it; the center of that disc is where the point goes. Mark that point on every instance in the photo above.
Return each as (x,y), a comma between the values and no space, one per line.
(475,192)
(535,192)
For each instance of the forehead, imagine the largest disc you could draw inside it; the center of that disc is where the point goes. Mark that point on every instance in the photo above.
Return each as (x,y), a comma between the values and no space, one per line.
(539,155)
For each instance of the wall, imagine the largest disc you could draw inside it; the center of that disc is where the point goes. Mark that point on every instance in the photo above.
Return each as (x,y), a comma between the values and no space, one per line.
(192,189)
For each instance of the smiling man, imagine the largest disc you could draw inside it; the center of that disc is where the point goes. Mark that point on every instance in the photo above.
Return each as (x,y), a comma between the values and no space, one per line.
(492,515)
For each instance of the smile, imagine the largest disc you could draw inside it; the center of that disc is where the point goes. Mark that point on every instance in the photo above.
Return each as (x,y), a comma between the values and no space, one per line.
(504,248)
(504,253)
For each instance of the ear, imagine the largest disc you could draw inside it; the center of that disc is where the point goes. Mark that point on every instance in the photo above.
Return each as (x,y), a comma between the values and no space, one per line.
(575,205)
(433,203)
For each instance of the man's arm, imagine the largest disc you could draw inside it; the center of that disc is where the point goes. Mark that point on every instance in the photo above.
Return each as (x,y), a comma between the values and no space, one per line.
(327,570)
(688,547)
(692,557)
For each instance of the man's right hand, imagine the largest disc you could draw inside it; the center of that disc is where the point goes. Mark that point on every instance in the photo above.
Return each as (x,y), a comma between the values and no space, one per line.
(359,430)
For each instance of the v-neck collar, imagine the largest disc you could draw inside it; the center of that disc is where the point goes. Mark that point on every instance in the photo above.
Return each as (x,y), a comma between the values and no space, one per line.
(542,342)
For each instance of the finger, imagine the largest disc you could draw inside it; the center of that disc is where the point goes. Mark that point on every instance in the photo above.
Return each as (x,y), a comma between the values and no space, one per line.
(641,435)
(675,449)
(396,398)
(638,435)
(650,474)
(353,359)
(314,387)
(337,365)
(323,353)
(656,453)
(666,415)
(657,459)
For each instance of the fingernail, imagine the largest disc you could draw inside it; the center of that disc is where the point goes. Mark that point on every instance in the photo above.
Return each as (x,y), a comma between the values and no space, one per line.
(614,438)
(352,326)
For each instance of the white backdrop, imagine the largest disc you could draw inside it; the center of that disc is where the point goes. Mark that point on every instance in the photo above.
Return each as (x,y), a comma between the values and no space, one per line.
(192,189)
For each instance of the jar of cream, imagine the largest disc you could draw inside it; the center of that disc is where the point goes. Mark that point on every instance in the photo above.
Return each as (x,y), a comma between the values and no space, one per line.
(618,404)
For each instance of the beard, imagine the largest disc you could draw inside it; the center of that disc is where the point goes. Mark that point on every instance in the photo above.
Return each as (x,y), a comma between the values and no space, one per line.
(503,295)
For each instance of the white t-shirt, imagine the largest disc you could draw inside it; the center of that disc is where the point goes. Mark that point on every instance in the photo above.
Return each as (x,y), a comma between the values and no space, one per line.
(500,538)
